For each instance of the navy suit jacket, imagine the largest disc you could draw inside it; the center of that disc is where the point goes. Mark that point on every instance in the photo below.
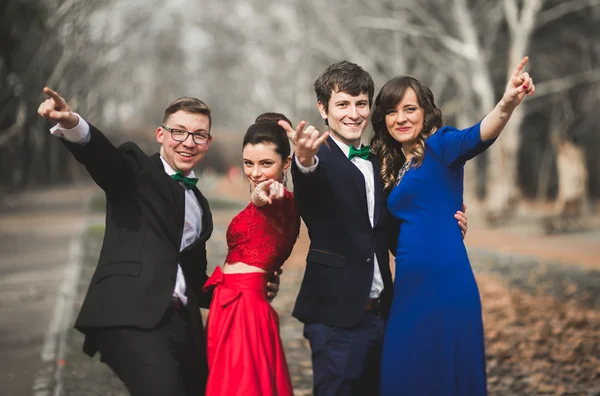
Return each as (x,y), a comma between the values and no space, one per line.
(339,265)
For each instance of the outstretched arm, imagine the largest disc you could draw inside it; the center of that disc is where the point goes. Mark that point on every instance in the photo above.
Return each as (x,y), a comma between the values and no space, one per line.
(519,85)
(107,165)
(306,169)
(264,194)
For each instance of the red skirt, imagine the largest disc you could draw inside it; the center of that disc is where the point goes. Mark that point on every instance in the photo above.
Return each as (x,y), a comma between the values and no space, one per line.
(244,349)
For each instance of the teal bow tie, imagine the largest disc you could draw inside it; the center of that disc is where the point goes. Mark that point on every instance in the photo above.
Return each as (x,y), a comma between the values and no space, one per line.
(362,152)
(188,182)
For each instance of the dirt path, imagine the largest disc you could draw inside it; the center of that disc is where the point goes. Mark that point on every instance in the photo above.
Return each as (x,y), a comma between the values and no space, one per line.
(40,233)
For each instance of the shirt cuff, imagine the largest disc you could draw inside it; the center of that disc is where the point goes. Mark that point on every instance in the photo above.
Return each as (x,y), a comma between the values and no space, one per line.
(304,169)
(79,134)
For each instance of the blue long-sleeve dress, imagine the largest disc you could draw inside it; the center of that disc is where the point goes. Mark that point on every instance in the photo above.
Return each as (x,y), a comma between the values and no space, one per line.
(434,342)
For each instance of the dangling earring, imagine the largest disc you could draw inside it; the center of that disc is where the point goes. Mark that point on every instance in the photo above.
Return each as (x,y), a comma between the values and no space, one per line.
(249,187)
(285,179)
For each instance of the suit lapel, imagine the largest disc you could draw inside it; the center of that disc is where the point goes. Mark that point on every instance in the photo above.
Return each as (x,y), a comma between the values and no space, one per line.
(175,196)
(378,187)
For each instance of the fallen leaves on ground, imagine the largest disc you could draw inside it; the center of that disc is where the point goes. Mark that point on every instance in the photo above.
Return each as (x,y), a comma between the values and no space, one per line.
(537,345)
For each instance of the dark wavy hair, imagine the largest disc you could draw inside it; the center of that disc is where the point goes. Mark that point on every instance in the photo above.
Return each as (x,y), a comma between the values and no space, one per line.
(271,117)
(266,130)
(383,144)
(345,77)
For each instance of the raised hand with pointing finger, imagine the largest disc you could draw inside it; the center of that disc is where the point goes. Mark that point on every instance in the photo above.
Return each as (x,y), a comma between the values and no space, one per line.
(267,191)
(306,141)
(56,109)
(519,85)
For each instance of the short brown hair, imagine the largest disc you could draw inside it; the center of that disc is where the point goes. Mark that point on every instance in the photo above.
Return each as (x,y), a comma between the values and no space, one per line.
(345,77)
(189,105)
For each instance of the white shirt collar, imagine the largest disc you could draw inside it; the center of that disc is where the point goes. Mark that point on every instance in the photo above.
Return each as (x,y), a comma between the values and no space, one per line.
(343,146)
(171,172)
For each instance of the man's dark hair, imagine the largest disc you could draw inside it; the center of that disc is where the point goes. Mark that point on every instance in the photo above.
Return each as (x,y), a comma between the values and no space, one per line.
(189,105)
(345,77)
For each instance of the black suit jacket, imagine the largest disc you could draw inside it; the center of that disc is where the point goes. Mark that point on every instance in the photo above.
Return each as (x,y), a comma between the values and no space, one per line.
(135,277)
(339,266)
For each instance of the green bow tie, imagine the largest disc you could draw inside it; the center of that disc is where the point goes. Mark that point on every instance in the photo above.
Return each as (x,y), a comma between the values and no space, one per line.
(188,182)
(362,152)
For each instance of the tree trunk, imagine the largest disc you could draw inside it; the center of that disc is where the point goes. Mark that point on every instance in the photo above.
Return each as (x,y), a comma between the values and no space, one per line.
(571,200)
(503,191)
(502,184)
(572,180)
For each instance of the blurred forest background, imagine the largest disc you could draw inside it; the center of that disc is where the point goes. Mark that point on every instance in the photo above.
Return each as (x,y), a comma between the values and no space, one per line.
(119,63)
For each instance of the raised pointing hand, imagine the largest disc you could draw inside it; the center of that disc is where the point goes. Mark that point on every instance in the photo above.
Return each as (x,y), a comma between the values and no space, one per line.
(519,85)
(269,190)
(306,141)
(55,109)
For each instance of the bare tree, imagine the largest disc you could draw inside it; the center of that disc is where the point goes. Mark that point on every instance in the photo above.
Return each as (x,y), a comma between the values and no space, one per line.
(466,40)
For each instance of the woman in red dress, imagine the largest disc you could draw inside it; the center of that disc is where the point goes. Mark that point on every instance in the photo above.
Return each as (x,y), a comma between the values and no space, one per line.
(245,353)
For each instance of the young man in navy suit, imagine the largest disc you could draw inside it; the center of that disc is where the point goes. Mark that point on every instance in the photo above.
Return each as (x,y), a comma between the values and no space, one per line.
(347,287)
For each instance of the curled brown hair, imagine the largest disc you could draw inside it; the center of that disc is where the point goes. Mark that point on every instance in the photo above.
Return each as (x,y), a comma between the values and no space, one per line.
(383,144)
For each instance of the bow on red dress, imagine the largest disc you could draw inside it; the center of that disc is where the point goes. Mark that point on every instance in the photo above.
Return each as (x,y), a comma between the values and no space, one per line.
(227,295)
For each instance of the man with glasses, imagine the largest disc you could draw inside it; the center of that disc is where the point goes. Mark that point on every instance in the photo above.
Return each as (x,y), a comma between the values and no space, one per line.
(141,310)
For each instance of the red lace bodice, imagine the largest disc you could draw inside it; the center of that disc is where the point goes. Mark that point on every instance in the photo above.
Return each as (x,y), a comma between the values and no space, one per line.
(264,236)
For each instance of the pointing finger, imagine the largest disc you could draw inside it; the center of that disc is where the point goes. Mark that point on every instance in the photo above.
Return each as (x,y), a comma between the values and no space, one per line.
(267,184)
(58,100)
(520,67)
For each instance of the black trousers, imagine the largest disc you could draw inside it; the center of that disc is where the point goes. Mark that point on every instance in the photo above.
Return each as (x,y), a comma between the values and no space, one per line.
(158,362)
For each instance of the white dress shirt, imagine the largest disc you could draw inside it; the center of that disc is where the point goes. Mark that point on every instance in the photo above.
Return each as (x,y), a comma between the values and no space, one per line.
(366,168)
(192,225)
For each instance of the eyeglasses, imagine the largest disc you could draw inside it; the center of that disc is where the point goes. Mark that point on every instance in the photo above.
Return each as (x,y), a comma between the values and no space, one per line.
(181,135)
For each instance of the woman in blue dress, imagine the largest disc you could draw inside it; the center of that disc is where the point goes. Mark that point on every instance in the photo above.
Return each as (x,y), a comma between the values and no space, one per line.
(434,343)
